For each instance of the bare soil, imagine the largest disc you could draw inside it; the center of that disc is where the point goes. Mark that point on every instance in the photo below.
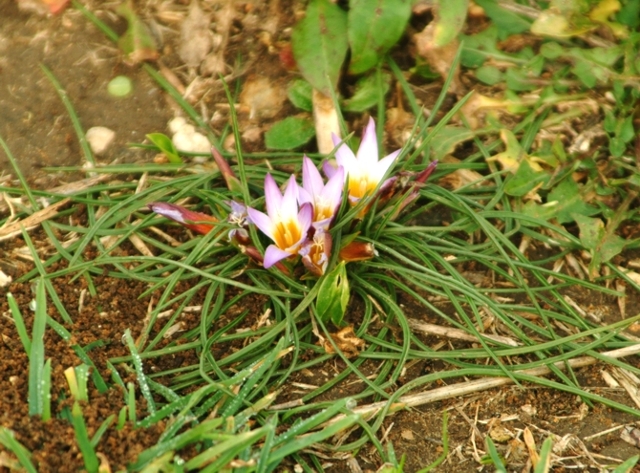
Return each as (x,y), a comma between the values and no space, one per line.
(37,128)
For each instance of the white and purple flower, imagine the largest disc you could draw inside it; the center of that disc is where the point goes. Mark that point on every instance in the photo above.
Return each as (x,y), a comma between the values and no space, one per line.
(325,198)
(363,170)
(285,222)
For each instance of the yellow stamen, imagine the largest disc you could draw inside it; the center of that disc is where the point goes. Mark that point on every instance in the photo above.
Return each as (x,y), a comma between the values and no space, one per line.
(359,186)
(286,234)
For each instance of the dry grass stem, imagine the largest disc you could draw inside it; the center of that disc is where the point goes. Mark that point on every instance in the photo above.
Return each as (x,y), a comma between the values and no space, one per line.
(449,332)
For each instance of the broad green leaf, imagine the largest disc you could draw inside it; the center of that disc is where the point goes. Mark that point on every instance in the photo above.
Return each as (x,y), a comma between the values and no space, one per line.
(300,93)
(476,48)
(602,243)
(543,212)
(520,78)
(591,231)
(319,44)
(450,19)
(506,21)
(375,26)
(524,180)
(367,93)
(552,50)
(490,75)
(166,146)
(290,133)
(333,295)
(446,140)
(593,66)
(569,201)
(629,14)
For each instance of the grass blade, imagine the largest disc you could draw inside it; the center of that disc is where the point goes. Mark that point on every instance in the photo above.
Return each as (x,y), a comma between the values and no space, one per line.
(142,379)
(8,440)
(89,456)
(36,357)
(19,321)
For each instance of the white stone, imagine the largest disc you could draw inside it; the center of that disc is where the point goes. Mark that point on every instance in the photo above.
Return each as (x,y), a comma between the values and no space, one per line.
(5,280)
(176,124)
(100,138)
(193,142)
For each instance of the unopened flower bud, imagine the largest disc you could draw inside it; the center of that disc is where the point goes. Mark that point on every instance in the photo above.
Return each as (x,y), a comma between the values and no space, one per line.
(192,220)
(357,251)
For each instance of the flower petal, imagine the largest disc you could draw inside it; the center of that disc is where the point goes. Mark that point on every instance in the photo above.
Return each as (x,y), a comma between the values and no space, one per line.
(345,157)
(289,204)
(332,192)
(272,195)
(368,150)
(311,179)
(262,221)
(329,169)
(273,255)
(305,216)
(381,167)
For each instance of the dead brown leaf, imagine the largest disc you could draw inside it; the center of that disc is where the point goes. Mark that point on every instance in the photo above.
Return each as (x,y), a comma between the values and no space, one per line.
(347,342)
(439,58)
(195,37)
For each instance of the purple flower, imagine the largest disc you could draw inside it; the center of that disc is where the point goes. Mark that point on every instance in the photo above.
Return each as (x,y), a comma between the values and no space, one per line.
(285,223)
(324,198)
(364,170)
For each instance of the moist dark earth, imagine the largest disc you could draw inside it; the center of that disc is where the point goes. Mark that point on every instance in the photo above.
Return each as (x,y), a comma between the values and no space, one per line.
(38,130)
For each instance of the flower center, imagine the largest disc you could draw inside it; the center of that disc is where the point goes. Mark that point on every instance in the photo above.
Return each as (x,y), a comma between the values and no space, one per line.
(359,186)
(287,234)
(322,210)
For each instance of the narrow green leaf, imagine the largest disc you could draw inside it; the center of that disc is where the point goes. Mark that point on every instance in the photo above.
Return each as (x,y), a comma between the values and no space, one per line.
(89,456)
(8,440)
(36,358)
(136,43)
(627,465)
(305,441)
(494,456)
(142,379)
(19,321)
(95,440)
(544,462)
(217,456)
(319,44)
(46,391)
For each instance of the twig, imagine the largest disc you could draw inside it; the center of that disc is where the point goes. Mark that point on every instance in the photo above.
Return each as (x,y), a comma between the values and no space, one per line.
(456,333)
(32,221)
(468,387)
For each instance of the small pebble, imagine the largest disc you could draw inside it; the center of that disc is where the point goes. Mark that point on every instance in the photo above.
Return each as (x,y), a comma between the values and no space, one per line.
(100,138)
(120,86)
(192,142)
(176,124)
